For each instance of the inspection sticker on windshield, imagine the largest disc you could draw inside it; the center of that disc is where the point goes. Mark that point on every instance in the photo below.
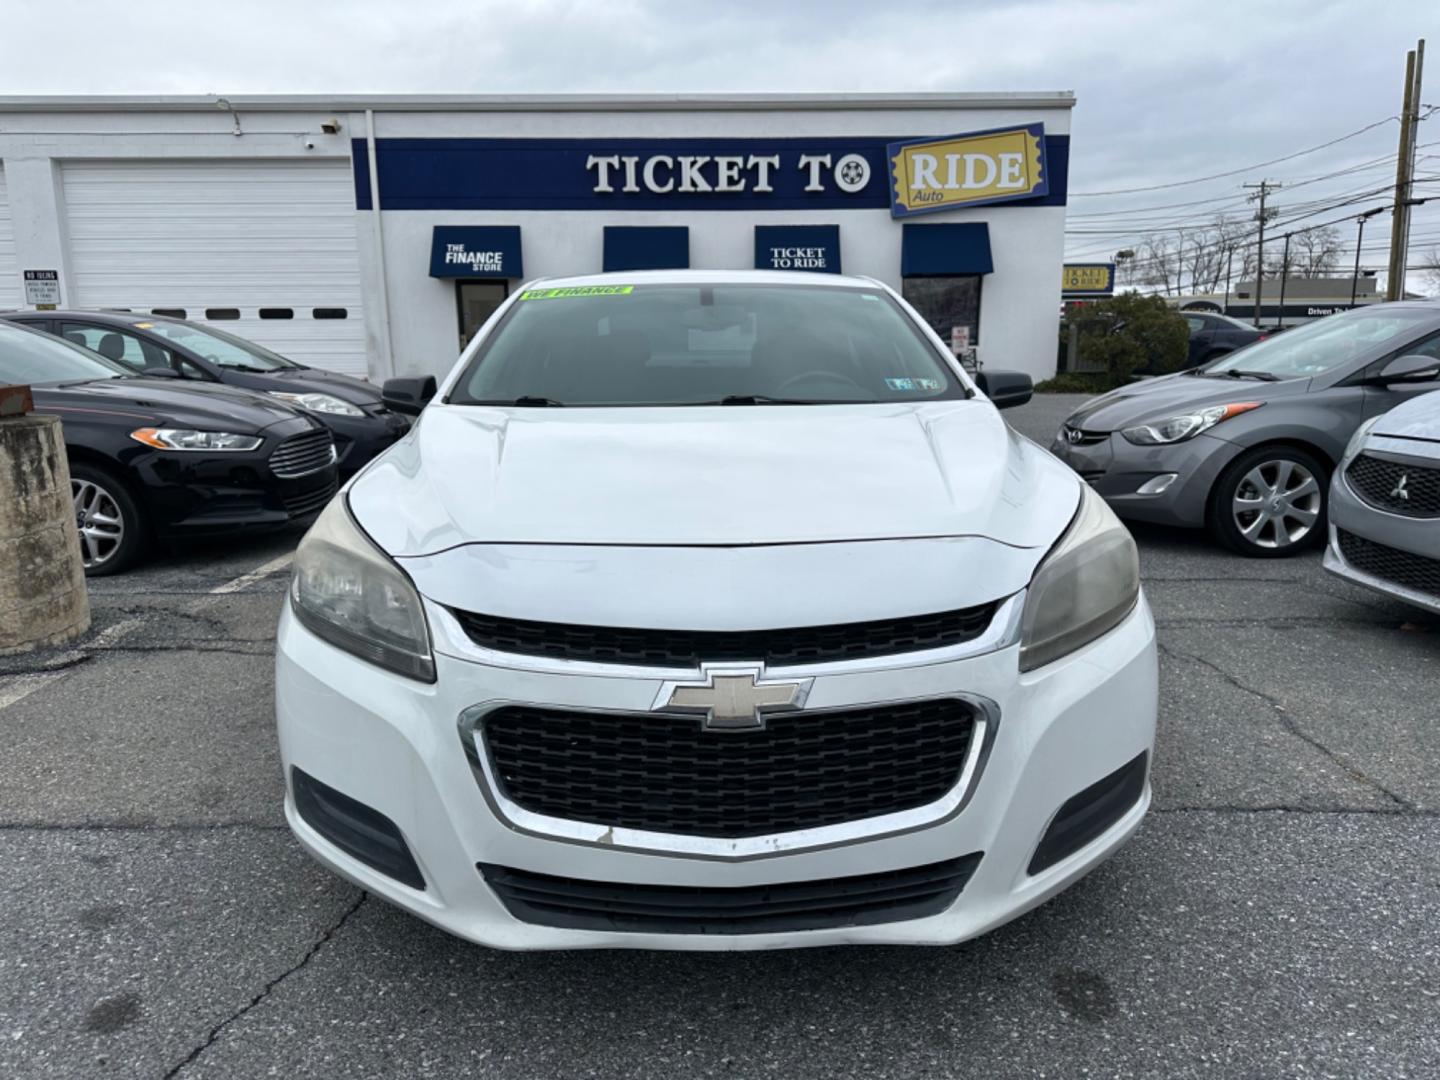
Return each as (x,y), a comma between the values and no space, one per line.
(577,290)
(913,384)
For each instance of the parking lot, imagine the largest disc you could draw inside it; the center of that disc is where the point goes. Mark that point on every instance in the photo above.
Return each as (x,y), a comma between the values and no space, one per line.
(1277,915)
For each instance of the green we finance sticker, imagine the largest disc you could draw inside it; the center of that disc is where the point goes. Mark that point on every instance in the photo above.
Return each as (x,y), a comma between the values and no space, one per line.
(578,290)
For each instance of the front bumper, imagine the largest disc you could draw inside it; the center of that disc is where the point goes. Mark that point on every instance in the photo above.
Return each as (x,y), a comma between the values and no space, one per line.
(1117,468)
(395,746)
(1417,536)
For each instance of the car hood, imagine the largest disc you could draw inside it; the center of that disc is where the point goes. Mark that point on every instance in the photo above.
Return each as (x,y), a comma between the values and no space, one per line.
(313,380)
(206,406)
(1418,418)
(1155,399)
(721,476)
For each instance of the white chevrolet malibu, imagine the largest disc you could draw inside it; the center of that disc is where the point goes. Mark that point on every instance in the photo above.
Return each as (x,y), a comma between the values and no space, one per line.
(708,610)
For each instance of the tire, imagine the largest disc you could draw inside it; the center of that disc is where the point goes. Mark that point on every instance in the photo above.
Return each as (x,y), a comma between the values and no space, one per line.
(1270,502)
(113,529)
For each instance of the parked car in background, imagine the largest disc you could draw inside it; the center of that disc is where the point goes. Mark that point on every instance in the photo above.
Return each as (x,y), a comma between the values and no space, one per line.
(160,459)
(1246,444)
(613,551)
(158,346)
(1213,336)
(1385,502)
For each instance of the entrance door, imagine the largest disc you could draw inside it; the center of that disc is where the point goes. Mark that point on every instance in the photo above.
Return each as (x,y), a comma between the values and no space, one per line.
(477,301)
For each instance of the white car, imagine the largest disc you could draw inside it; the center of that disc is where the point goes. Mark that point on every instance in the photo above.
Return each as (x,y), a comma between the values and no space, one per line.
(714,610)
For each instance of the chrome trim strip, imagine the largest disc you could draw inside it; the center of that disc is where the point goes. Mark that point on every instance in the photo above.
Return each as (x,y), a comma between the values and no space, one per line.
(451,640)
(743,848)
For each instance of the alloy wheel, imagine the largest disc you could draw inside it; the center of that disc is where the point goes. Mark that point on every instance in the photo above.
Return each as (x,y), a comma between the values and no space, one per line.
(1276,504)
(100,521)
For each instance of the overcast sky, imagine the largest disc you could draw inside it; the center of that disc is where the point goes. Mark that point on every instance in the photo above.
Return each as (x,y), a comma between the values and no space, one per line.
(1167,91)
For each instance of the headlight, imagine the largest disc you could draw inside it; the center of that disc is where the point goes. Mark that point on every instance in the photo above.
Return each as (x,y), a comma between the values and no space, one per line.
(349,592)
(1187,425)
(1358,439)
(321,403)
(185,439)
(1086,585)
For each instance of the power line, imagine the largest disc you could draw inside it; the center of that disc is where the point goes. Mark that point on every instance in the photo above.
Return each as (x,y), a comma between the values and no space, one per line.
(1235,172)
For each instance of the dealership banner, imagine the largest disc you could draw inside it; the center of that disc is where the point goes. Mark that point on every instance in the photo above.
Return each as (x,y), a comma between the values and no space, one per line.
(829,173)
(480,251)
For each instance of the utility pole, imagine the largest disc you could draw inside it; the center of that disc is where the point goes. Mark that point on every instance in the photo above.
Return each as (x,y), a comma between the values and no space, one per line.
(1359,241)
(1262,189)
(1284,273)
(1404,174)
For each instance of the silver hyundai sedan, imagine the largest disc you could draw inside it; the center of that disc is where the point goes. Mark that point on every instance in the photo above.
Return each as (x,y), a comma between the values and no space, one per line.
(1246,445)
(1385,503)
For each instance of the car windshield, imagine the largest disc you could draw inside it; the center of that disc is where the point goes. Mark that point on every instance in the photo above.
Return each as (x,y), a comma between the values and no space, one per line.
(28,356)
(220,348)
(1320,346)
(699,344)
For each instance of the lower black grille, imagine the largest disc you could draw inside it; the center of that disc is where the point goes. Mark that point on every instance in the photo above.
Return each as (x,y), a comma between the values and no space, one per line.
(668,774)
(687,648)
(301,455)
(1391,564)
(576,904)
(307,502)
(1412,490)
(358,830)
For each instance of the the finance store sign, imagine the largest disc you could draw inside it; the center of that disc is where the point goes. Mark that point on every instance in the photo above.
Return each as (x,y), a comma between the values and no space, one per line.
(908,176)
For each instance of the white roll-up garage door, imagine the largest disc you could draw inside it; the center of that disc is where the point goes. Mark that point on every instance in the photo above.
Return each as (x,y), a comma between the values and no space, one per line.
(263,249)
(10,291)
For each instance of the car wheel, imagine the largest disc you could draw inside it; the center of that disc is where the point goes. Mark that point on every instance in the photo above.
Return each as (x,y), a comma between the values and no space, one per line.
(112,529)
(1270,502)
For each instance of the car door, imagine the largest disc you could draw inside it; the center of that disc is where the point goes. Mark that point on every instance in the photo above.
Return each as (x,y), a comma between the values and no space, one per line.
(1200,335)
(118,344)
(1380,399)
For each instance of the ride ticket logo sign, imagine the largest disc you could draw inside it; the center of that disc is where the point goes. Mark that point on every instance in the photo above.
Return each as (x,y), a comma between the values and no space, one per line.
(975,169)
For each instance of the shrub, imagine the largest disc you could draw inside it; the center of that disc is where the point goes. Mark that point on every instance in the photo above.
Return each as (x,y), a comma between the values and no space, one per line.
(1130,333)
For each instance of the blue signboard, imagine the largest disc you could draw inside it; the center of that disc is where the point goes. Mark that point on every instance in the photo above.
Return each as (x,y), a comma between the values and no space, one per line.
(832,173)
(661,247)
(476,251)
(798,247)
(952,249)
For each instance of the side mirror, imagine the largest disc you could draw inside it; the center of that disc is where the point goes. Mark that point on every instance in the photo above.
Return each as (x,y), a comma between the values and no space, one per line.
(1411,368)
(1005,389)
(158,372)
(408,395)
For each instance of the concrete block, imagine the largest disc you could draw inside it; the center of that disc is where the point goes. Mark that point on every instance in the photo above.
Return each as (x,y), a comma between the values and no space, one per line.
(43,600)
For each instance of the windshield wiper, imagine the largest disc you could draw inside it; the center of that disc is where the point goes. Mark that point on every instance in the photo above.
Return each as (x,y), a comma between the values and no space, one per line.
(527,401)
(765,399)
(1236,373)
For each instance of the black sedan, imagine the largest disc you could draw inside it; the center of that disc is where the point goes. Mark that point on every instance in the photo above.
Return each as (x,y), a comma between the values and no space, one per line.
(157,346)
(1212,335)
(158,459)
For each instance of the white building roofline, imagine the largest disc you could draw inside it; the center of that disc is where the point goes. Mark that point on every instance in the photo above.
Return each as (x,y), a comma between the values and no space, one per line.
(1055,99)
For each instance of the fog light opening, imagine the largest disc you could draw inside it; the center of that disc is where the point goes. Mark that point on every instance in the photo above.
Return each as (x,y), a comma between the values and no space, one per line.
(1157,485)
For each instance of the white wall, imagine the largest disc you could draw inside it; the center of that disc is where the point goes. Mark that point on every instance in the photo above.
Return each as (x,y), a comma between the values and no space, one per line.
(1020,301)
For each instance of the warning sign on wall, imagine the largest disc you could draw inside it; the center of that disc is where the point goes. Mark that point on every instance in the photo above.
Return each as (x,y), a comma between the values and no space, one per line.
(42,289)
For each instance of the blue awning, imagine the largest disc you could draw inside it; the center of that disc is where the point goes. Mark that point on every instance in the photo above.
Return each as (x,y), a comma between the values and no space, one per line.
(639,247)
(476,251)
(945,250)
(798,247)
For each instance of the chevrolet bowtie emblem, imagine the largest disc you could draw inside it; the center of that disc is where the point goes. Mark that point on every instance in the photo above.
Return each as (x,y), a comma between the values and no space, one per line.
(733,698)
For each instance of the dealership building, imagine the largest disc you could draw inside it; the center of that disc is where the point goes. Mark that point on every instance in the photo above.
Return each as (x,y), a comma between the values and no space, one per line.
(373,235)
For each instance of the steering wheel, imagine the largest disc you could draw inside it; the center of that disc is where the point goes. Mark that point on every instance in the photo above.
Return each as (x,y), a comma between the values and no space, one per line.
(815,376)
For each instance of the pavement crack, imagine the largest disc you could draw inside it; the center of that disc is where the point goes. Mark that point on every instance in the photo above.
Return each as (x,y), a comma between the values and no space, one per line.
(1279,808)
(1287,721)
(269,988)
(138,826)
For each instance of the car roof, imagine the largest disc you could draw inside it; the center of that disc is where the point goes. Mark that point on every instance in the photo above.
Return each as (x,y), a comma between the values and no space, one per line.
(704,277)
(102,315)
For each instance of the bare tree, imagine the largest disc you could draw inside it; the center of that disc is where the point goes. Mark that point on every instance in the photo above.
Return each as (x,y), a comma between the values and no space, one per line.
(1313,253)
(1430,265)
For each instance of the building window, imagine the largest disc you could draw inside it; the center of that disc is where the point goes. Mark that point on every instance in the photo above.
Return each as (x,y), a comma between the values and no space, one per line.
(331,313)
(173,312)
(951,305)
(218,313)
(277,313)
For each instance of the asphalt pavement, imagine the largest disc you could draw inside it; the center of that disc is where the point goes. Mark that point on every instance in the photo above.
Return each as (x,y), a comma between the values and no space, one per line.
(1278,914)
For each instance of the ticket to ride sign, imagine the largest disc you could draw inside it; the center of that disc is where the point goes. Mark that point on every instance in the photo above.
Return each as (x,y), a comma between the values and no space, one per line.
(975,169)
(1087,279)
